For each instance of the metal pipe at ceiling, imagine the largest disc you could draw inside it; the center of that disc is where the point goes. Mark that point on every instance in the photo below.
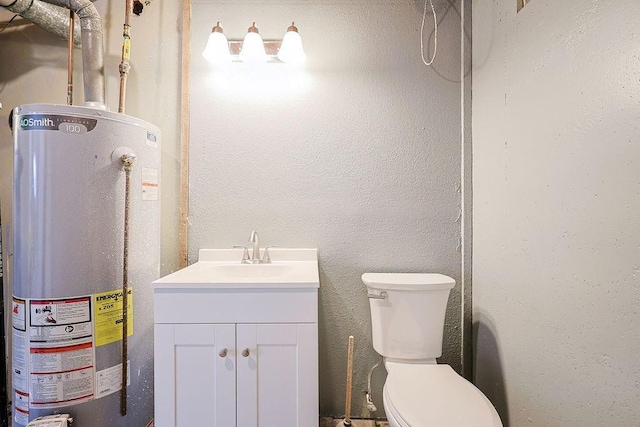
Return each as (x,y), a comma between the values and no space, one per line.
(47,16)
(70,60)
(92,49)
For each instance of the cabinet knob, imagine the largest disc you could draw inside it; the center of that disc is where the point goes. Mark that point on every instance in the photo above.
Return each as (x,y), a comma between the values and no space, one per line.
(223,352)
(245,352)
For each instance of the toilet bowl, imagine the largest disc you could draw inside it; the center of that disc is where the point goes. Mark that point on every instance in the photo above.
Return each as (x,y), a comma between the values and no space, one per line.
(417,395)
(407,316)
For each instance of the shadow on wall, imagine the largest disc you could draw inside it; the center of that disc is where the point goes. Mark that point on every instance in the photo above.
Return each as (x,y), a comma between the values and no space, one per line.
(488,375)
(25,41)
(27,47)
(343,311)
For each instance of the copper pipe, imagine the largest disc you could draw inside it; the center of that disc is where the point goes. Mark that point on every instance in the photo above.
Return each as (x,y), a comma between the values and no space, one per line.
(70,60)
(126,55)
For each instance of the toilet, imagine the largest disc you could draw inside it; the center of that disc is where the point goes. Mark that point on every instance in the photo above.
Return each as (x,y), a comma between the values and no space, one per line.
(407,317)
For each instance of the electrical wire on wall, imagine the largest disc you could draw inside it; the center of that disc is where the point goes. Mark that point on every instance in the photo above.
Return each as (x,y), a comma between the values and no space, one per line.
(435,38)
(9,23)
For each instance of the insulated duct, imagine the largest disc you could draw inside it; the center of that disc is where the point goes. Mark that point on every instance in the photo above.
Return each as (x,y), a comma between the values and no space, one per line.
(47,16)
(92,48)
(53,15)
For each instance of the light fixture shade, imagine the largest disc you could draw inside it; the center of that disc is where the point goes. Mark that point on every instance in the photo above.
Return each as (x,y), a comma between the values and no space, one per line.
(291,50)
(253,47)
(217,49)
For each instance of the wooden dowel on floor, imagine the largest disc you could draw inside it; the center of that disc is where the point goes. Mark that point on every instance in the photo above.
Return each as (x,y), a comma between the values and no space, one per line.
(347,404)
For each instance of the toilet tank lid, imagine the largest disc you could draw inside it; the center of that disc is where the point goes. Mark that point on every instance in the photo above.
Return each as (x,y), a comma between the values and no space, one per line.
(408,281)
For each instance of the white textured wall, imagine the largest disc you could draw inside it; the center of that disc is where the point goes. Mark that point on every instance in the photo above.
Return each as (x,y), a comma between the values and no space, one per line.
(556,261)
(359,156)
(33,69)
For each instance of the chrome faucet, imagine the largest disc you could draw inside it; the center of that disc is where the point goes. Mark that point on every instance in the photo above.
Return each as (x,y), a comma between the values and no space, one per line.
(255,255)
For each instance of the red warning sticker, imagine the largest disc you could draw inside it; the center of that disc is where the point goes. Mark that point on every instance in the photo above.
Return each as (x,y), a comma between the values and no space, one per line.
(61,353)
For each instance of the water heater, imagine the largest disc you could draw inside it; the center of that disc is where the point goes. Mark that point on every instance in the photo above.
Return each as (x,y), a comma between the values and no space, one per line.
(66,260)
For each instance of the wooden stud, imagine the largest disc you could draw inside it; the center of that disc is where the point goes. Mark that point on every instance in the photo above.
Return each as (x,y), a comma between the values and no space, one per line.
(185,133)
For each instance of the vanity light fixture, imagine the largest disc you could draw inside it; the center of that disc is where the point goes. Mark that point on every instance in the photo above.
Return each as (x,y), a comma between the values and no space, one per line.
(217,49)
(253,49)
(291,50)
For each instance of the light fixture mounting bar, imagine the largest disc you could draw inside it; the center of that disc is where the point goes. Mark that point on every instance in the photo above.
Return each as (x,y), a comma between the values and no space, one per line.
(270,46)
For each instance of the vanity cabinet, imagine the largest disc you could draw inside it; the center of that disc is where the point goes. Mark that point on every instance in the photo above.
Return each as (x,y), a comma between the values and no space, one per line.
(229,355)
(193,384)
(242,374)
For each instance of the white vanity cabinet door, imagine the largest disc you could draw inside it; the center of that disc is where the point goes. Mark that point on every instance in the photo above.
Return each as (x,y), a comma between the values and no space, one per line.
(195,379)
(277,375)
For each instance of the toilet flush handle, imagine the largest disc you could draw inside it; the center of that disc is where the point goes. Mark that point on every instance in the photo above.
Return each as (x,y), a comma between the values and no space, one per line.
(381,295)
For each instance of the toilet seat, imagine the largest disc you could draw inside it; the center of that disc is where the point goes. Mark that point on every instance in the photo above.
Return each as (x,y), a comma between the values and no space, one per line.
(435,396)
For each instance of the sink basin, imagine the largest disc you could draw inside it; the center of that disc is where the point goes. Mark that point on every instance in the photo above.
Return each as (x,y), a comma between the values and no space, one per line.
(221,268)
(251,271)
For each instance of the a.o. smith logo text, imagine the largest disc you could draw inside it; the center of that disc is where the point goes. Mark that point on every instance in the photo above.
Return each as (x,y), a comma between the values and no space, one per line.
(41,123)
(66,124)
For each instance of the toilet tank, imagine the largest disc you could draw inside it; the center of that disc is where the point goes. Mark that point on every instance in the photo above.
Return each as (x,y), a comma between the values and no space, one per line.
(408,322)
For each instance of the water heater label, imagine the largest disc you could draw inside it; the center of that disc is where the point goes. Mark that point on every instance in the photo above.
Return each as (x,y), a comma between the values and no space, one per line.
(18,316)
(109,380)
(67,124)
(21,401)
(152,139)
(66,386)
(57,311)
(19,361)
(149,184)
(108,315)
(60,351)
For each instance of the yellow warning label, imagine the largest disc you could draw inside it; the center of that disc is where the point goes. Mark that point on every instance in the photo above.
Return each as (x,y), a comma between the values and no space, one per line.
(108,315)
(126,49)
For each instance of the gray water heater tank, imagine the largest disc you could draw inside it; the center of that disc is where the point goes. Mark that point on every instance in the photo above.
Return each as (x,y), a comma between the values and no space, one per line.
(67,264)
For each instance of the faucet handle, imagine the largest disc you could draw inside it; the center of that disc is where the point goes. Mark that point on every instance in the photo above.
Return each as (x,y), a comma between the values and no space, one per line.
(265,254)
(245,254)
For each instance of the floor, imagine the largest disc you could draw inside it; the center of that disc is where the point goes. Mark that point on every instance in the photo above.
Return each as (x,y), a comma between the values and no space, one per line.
(330,422)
